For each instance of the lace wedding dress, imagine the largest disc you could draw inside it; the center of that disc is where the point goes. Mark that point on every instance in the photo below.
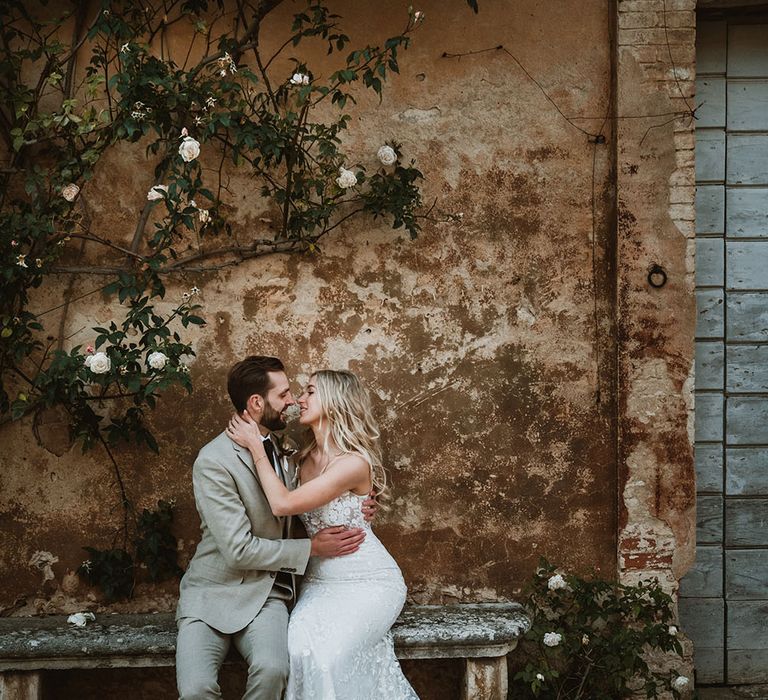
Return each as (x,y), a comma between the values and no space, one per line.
(339,641)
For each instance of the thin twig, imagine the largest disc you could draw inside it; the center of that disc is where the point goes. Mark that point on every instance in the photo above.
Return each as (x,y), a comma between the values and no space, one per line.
(123,495)
(103,241)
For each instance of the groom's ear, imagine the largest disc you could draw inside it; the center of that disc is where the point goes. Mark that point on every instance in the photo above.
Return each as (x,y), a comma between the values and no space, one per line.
(255,406)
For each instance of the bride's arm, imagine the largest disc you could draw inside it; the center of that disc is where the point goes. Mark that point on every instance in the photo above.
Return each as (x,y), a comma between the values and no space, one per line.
(349,473)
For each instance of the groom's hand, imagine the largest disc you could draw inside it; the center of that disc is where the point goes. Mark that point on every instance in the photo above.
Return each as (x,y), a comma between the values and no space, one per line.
(336,541)
(370,506)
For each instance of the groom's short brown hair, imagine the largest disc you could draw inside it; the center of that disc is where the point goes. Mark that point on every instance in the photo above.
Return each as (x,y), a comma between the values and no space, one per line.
(251,376)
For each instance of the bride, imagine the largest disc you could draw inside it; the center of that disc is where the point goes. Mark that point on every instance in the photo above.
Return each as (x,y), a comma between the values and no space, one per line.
(339,641)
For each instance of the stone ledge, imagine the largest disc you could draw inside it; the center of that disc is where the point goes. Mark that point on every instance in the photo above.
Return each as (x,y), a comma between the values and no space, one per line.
(422,631)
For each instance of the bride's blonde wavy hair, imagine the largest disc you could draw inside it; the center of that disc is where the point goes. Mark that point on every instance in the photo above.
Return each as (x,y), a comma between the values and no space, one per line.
(347,407)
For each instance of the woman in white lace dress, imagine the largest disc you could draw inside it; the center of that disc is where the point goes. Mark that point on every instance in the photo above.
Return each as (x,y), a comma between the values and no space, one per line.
(339,637)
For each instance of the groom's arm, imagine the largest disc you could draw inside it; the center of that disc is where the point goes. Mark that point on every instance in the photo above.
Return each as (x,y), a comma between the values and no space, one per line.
(225,516)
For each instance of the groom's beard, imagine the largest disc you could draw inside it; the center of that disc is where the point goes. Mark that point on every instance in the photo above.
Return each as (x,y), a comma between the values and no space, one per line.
(271,419)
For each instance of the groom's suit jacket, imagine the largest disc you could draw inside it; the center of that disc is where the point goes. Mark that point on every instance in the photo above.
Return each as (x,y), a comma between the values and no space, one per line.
(243,545)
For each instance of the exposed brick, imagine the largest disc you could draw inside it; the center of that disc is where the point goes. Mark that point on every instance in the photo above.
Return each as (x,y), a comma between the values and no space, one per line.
(680,54)
(687,229)
(683,176)
(684,158)
(684,140)
(647,560)
(640,6)
(651,20)
(681,19)
(637,543)
(682,195)
(640,20)
(655,5)
(675,87)
(682,212)
(638,37)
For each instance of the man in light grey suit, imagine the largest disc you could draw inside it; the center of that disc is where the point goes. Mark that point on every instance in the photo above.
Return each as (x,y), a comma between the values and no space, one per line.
(241,577)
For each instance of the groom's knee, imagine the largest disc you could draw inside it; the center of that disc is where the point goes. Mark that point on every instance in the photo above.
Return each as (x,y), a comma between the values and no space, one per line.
(198,688)
(271,671)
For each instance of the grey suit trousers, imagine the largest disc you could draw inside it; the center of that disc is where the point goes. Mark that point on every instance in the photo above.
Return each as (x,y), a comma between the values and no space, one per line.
(263,643)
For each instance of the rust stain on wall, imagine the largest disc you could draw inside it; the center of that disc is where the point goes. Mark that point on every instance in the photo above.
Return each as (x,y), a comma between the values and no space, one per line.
(477,339)
(485,343)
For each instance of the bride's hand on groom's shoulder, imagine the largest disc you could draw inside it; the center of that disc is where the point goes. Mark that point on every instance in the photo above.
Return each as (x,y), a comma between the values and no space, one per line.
(244,431)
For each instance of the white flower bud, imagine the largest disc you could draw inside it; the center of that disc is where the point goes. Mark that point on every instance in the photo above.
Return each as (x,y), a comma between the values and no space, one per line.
(156,192)
(387,155)
(346,178)
(556,582)
(70,192)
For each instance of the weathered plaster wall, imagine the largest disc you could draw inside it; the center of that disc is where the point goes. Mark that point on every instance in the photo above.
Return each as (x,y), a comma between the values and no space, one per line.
(478,340)
(655,191)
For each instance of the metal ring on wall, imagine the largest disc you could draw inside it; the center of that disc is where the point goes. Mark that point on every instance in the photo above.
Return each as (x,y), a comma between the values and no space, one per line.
(657,277)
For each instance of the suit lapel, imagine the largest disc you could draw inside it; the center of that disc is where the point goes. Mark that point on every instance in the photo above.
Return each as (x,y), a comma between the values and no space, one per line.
(245,457)
(244,454)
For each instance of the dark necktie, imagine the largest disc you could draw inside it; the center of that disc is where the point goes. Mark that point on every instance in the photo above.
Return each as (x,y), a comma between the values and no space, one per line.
(269,448)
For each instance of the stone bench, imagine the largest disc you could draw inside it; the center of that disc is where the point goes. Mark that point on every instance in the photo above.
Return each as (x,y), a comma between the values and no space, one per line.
(482,633)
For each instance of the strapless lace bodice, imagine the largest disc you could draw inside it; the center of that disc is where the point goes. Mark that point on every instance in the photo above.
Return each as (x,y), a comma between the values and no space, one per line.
(344,510)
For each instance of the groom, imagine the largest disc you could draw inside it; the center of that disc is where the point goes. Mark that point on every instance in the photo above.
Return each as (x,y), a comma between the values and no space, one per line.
(241,577)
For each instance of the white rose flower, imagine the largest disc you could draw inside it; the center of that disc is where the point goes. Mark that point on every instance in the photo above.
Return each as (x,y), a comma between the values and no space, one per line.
(299,79)
(346,178)
(156,192)
(556,582)
(189,149)
(98,363)
(680,683)
(552,639)
(585,639)
(672,631)
(539,677)
(204,215)
(21,260)
(387,155)
(81,619)
(157,360)
(70,192)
